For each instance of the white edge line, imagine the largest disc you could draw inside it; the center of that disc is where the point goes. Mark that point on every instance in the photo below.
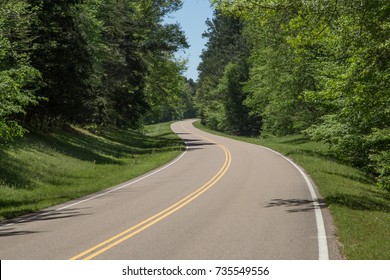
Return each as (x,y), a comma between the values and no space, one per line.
(323,252)
(127,184)
(104,193)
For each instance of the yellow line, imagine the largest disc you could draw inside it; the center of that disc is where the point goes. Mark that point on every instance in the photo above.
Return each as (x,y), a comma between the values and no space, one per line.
(204,189)
(151,218)
(130,232)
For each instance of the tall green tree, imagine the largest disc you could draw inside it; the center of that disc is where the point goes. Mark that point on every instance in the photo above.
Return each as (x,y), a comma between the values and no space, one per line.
(219,92)
(61,54)
(18,79)
(138,47)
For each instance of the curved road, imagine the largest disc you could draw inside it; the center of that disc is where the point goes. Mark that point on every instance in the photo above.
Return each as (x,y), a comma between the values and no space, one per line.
(221,199)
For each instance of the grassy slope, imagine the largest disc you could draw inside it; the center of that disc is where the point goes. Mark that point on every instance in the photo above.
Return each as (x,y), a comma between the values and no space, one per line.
(43,170)
(360,210)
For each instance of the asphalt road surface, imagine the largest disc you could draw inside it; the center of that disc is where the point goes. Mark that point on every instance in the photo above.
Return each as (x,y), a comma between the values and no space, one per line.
(221,199)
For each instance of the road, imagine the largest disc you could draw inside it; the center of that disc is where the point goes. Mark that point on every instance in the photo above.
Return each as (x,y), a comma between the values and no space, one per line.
(221,199)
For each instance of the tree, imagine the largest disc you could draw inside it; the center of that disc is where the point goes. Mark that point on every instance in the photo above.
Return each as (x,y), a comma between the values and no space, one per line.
(322,67)
(18,79)
(99,62)
(137,49)
(61,54)
(219,92)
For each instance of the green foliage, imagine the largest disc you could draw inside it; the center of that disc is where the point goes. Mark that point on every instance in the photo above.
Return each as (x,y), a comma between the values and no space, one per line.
(279,75)
(379,146)
(321,67)
(355,78)
(60,53)
(163,86)
(188,92)
(178,102)
(14,97)
(381,162)
(139,72)
(222,72)
(100,62)
(236,117)
(18,80)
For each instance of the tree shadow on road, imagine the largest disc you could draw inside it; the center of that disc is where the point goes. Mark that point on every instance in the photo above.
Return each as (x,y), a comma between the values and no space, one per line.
(295,205)
(10,227)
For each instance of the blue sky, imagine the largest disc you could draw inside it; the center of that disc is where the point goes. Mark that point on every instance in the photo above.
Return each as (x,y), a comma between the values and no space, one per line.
(192,19)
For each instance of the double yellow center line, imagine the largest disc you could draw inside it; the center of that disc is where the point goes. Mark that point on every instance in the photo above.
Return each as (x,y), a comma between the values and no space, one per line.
(130,232)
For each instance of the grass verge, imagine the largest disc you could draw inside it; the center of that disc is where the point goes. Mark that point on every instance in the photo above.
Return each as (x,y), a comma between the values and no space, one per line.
(39,170)
(360,210)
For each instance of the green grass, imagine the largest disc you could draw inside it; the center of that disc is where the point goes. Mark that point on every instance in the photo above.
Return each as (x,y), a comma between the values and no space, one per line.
(360,210)
(40,170)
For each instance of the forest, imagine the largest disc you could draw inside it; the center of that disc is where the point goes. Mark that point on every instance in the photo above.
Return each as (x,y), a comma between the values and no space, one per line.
(318,68)
(271,67)
(90,63)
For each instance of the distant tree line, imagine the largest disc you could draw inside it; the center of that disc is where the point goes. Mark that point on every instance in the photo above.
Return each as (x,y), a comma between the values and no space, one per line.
(321,68)
(101,62)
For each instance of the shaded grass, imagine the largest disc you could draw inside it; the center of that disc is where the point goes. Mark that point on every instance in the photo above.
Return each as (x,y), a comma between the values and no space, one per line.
(360,210)
(41,170)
